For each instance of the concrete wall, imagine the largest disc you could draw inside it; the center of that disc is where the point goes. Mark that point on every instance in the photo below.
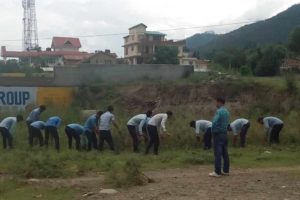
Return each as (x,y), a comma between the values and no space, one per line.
(84,74)
(73,76)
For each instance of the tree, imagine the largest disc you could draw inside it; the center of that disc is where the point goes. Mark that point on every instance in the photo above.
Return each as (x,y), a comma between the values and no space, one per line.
(230,58)
(270,60)
(294,40)
(166,55)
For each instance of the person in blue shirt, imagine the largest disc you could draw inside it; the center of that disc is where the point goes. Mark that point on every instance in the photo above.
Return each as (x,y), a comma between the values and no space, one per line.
(74,131)
(51,129)
(36,132)
(219,131)
(34,116)
(91,130)
(7,129)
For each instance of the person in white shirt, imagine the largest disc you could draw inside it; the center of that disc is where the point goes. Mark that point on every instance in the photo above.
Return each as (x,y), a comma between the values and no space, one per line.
(204,127)
(135,128)
(273,125)
(7,127)
(106,120)
(156,123)
(239,127)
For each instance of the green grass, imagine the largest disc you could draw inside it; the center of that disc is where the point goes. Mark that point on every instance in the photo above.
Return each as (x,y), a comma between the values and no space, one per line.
(17,189)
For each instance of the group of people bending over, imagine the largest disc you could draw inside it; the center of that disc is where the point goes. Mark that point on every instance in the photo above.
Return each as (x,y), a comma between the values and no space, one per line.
(97,130)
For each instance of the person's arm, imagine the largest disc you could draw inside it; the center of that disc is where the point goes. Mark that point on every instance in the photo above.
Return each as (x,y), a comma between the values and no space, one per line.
(216,119)
(142,123)
(113,120)
(163,123)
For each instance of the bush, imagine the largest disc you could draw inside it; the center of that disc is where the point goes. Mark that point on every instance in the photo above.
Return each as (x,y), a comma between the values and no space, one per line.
(126,175)
(291,83)
(245,71)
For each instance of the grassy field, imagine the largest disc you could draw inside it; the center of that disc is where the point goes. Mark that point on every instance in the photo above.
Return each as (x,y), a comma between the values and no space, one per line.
(268,96)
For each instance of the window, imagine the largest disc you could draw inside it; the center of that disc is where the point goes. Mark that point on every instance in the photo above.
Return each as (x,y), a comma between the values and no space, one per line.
(132,37)
(126,40)
(126,51)
(132,48)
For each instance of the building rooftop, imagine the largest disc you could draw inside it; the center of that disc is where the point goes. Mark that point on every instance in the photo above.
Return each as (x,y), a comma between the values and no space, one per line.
(155,33)
(60,42)
(141,24)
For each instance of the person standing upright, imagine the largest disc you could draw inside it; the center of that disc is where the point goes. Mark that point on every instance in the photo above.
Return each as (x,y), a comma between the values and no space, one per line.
(219,131)
(51,127)
(106,119)
(7,128)
(156,123)
(135,128)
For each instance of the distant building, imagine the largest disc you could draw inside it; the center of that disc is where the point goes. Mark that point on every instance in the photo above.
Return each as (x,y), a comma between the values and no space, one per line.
(63,51)
(290,64)
(140,45)
(199,65)
(101,57)
(65,44)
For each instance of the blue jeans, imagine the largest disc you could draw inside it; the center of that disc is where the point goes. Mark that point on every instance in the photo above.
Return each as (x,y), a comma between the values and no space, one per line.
(221,152)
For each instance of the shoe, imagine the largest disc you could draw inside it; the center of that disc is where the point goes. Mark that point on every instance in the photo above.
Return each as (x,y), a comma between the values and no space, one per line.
(214,174)
(225,174)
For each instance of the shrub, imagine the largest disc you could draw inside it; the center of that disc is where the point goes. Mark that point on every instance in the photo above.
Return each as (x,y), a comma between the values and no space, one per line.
(126,175)
(245,71)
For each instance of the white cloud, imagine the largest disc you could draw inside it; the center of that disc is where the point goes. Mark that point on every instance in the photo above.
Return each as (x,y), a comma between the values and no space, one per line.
(96,17)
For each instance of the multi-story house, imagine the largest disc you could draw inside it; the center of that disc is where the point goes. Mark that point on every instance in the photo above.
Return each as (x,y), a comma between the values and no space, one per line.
(140,45)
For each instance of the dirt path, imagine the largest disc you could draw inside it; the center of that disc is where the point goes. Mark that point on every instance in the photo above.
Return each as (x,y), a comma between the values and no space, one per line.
(194,184)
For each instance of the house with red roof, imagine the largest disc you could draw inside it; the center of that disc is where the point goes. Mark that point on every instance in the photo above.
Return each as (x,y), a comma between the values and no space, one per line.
(64,51)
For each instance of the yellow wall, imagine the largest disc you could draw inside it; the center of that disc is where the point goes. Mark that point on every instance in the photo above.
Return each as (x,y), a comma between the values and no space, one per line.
(58,96)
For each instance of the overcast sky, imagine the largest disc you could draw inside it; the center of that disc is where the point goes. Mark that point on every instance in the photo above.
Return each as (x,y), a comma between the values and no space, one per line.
(92,17)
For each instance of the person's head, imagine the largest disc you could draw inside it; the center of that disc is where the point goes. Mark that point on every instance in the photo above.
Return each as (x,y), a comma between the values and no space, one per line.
(99,113)
(42,108)
(110,108)
(170,114)
(229,127)
(193,124)
(260,120)
(220,101)
(19,118)
(149,113)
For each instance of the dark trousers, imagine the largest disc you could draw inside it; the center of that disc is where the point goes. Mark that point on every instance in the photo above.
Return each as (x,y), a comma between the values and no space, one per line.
(134,135)
(207,139)
(221,152)
(71,133)
(154,139)
(52,130)
(7,138)
(35,133)
(105,135)
(90,140)
(94,140)
(274,134)
(243,134)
